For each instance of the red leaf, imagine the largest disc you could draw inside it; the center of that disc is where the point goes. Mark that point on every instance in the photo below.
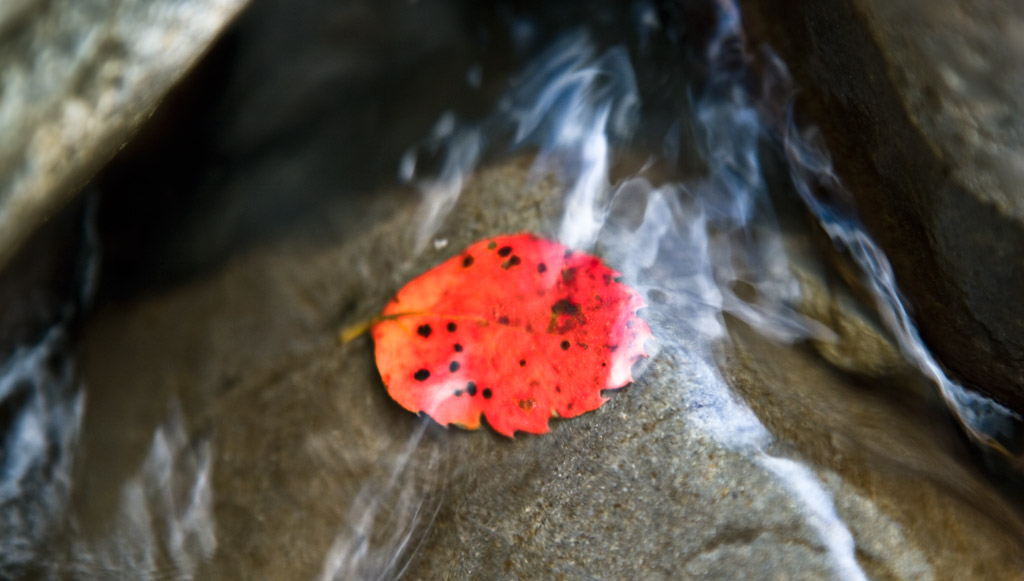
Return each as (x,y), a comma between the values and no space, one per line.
(517,328)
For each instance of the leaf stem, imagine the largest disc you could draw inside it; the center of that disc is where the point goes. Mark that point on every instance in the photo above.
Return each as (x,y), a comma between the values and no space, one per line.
(351,332)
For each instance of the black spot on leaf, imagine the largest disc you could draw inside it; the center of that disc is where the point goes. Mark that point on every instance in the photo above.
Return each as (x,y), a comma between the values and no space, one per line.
(565,307)
(514,261)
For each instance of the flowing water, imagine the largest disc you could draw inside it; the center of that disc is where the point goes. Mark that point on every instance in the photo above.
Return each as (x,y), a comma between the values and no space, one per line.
(701,245)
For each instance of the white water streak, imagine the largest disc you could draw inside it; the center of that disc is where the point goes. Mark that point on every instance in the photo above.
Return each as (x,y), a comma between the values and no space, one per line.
(982,417)
(44,402)
(166,509)
(584,211)
(700,266)
(673,239)
(572,105)
(461,147)
(361,552)
(805,485)
(742,173)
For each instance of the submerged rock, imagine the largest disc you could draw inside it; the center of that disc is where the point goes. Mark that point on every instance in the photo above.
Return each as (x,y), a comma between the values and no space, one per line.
(78,78)
(920,104)
(314,470)
(860,344)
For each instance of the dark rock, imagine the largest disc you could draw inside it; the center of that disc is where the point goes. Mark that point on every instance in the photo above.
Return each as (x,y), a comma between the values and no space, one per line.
(919,106)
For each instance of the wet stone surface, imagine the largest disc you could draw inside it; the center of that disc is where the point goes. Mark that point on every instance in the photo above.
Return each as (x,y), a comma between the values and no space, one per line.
(315,469)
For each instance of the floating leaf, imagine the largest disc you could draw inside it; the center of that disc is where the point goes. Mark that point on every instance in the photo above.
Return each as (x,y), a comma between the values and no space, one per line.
(516,328)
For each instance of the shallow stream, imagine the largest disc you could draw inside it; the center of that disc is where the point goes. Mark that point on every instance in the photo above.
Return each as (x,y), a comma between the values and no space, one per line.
(189,412)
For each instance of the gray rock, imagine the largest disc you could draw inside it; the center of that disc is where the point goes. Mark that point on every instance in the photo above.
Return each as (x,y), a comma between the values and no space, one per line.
(920,105)
(316,471)
(78,78)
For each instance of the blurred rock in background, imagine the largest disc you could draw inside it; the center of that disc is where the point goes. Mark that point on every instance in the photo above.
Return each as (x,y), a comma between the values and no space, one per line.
(78,79)
(921,105)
